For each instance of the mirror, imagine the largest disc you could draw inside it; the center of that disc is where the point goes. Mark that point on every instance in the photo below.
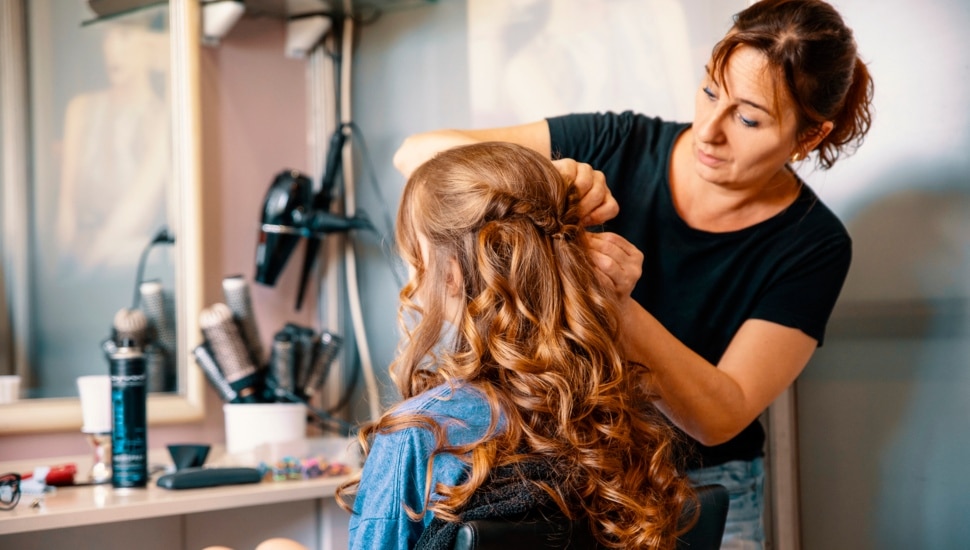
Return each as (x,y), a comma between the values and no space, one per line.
(90,173)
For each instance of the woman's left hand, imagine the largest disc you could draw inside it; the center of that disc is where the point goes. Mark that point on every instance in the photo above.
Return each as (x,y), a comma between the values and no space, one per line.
(619,263)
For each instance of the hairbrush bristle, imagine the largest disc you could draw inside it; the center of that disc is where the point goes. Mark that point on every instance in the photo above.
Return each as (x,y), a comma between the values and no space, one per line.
(236,291)
(214,314)
(223,337)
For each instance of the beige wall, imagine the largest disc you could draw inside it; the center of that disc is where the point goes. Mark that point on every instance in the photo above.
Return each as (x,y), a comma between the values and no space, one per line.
(254,112)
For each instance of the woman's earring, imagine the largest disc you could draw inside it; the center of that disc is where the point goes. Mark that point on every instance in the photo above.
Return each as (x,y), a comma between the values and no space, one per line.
(796,157)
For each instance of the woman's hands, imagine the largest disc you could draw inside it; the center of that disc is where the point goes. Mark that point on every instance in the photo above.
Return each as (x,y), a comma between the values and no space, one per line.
(619,264)
(596,204)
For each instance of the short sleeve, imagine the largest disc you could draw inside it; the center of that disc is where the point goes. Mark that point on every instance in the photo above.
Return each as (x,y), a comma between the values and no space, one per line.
(804,292)
(589,137)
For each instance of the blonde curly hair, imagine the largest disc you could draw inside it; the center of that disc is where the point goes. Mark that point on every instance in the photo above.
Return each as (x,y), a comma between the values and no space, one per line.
(536,334)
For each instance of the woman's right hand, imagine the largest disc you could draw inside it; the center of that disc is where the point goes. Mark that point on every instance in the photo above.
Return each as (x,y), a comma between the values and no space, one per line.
(596,204)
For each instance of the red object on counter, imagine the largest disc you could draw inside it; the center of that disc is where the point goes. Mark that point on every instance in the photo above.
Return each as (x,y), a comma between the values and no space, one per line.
(58,476)
(61,475)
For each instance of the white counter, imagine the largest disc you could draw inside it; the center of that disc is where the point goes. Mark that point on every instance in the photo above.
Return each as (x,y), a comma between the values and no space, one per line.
(232,515)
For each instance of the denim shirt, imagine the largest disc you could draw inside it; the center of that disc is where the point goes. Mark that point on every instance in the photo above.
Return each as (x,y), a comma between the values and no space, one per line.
(396,468)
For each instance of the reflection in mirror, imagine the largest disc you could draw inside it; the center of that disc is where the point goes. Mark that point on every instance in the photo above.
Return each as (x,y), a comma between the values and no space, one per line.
(98,190)
(95,198)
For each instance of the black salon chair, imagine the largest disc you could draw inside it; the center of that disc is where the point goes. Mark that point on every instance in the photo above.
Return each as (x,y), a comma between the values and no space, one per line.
(535,534)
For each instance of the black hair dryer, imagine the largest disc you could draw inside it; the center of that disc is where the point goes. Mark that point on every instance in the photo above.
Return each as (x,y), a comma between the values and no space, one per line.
(292,212)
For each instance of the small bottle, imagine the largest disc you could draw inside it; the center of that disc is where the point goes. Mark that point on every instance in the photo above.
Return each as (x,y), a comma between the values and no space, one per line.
(129,417)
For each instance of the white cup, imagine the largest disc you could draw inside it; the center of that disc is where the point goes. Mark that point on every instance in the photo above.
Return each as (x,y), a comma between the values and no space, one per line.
(95,392)
(9,388)
(249,425)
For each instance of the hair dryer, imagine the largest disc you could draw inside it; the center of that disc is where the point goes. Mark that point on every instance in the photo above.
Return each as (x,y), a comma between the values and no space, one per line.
(286,205)
(292,212)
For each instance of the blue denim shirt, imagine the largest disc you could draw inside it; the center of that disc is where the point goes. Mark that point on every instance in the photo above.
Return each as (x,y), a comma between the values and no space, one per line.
(396,468)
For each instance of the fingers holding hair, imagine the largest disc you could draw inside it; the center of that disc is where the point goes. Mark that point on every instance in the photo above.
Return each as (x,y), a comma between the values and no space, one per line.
(619,264)
(596,204)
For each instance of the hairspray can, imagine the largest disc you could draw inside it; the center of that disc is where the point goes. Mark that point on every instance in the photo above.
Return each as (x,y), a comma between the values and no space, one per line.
(129,434)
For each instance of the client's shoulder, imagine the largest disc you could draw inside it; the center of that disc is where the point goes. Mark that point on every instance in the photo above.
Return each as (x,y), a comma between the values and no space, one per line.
(449,399)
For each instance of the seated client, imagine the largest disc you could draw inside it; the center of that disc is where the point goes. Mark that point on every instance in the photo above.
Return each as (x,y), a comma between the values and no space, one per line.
(515,396)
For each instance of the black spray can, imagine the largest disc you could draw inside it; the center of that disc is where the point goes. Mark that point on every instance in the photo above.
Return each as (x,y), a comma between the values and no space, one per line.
(129,417)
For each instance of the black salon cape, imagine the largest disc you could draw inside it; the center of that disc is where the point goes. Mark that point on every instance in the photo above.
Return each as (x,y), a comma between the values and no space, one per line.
(509,493)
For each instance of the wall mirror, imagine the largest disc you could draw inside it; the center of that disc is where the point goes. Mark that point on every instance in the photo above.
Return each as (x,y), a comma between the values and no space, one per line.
(100,153)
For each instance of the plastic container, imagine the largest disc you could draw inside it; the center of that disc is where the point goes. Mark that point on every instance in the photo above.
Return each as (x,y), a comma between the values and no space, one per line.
(249,425)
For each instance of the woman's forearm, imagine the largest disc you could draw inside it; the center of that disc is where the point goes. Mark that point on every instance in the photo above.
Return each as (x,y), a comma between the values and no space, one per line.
(418,148)
(697,397)
(714,403)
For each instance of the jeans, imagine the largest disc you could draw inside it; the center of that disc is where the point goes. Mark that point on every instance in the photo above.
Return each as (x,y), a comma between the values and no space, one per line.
(745,482)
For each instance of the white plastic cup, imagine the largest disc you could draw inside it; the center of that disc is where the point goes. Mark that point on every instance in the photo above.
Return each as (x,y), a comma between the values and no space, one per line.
(95,392)
(249,425)
(9,388)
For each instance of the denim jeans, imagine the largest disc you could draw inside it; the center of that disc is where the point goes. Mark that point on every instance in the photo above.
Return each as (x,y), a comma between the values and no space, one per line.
(745,482)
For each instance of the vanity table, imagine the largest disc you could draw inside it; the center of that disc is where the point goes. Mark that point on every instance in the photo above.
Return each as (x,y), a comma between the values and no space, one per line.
(238,516)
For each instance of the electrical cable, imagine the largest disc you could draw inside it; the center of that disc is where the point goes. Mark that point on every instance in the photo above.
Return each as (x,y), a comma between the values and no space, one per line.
(325,114)
(387,238)
(350,257)
(351,386)
(343,38)
(161,236)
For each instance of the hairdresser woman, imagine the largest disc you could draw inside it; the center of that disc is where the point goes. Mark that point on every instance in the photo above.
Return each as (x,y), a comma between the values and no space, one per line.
(727,262)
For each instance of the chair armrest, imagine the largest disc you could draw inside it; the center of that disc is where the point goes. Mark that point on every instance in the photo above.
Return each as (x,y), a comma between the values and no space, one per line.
(528,533)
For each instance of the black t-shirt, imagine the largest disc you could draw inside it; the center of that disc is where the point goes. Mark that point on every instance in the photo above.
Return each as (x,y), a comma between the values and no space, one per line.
(703,286)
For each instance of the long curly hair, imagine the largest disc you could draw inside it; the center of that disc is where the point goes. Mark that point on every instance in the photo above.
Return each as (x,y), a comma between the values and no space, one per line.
(535,333)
